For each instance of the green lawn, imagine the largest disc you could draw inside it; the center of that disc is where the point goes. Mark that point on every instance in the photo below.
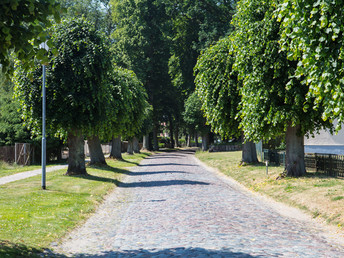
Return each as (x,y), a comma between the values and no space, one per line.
(320,196)
(31,218)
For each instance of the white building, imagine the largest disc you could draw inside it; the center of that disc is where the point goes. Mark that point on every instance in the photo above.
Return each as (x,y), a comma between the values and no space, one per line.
(325,142)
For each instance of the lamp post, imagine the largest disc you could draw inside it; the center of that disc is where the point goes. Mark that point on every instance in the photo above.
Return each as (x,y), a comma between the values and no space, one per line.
(44,142)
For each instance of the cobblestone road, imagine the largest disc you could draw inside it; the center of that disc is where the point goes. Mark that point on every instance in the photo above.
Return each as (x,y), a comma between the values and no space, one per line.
(172,206)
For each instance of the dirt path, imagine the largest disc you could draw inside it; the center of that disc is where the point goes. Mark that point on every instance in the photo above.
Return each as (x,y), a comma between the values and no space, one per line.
(171,205)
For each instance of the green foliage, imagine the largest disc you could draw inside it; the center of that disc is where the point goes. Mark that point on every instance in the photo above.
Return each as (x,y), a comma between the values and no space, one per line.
(96,11)
(12,128)
(193,115)
(195,26)
(272,97)
(22,29)
(140,45)
(218,87)
(132,107)
(312,34)
(76,81)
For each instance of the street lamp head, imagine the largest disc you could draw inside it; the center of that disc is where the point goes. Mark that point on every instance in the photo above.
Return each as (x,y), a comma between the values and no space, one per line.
(44,45)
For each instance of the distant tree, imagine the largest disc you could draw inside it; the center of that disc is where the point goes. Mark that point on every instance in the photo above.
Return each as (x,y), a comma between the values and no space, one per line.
(131,109)
(22,28)
(218,87)
(142,46)
(95,11)
(195,120)
(76,90)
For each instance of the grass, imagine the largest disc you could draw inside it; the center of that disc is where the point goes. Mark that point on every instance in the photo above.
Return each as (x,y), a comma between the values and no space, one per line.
(322,197)
(31,218)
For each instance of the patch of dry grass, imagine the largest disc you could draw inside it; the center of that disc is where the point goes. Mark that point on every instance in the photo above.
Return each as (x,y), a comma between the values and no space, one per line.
(322,197)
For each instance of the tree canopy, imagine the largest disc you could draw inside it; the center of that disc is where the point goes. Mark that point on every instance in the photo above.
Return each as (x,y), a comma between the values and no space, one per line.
(312,36)
(218,87)
(23,28)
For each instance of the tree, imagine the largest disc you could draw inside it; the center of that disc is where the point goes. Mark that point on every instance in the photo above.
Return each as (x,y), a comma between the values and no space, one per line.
(76,89)
(142,46)
(131,109)
(218,87)
(96,11)
(273,100)
(194,118)
(195,25)
(12,127)
(22,30)
(312,35)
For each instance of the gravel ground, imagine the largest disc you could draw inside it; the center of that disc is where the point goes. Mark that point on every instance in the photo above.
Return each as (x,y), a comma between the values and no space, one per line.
(172,205)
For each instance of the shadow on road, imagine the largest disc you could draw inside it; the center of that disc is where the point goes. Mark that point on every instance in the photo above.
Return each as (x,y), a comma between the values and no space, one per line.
(167,164)
(161,183)
(171,252)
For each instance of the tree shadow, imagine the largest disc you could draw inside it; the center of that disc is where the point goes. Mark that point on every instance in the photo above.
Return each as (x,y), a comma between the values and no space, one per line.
(161,183)
(167,164)
(170,252)
(9,249)
(106,167)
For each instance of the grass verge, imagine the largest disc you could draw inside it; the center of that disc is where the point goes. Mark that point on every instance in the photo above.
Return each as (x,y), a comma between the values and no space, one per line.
(318,195)
(31,218)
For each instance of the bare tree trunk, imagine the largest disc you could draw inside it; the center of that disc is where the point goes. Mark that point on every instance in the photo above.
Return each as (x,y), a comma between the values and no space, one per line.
(176,137)
(96,152)
(155,138)
(130,149)
(136,146)
(145,145)
(188,138)
(295,156)
(76,159)
(171,134)
(116,151)
(249,153)
(196,139)
(205,141)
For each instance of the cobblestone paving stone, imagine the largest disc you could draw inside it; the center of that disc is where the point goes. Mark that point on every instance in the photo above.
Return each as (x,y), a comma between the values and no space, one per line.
(171,205)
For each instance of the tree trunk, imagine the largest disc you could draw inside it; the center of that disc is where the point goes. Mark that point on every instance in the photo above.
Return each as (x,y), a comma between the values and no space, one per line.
(176,137)
(96,152)
(171,134)
(295,155)
(188,140)
(116,151)
(155,138)
(130,149)
(76,159)
(145,145)
(249,153)
(205,140)
(136,145)
(196,139)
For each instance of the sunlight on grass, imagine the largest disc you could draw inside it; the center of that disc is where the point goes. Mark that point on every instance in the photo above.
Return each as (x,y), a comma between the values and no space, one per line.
(320,196)
(31,218)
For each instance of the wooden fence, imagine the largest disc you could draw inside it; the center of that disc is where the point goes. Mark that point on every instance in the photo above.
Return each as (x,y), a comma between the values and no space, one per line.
(21,154)
(7,154)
